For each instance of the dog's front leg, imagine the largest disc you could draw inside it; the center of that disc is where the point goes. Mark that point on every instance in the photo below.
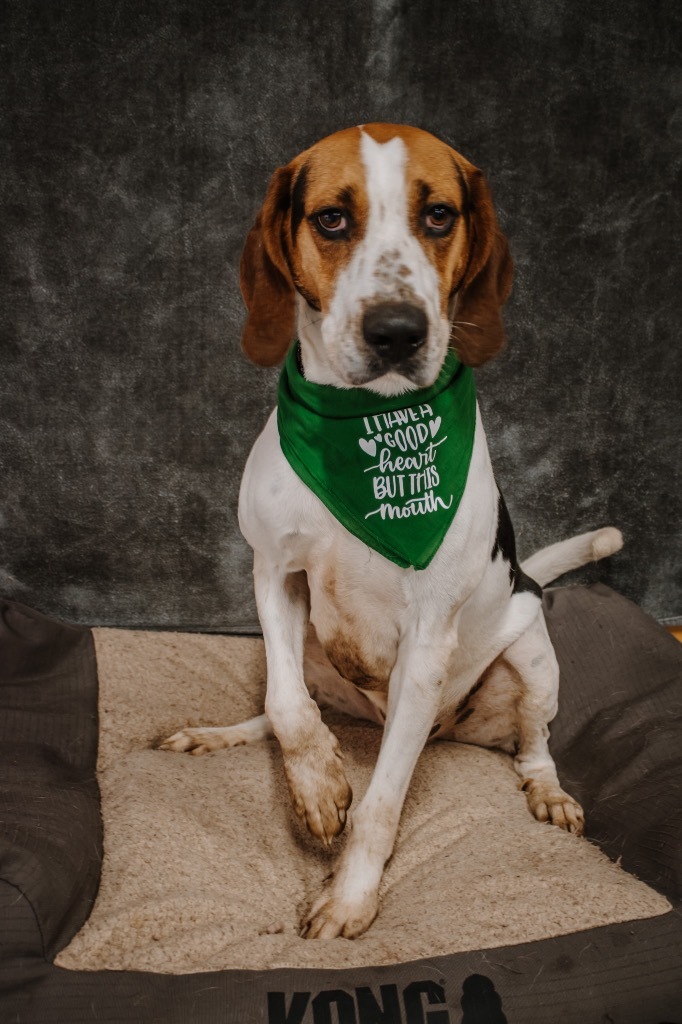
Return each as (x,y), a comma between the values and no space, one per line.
(312,759)
(349,902)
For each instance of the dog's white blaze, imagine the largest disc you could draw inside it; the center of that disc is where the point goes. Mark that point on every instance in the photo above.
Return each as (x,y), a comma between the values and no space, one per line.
(372,274)
(384,165)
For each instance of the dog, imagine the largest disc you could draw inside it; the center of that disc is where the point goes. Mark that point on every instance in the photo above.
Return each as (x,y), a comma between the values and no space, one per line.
(378,249)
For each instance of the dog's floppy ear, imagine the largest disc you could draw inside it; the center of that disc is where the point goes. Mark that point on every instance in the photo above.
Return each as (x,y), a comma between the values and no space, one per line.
(478,332)
(265,278)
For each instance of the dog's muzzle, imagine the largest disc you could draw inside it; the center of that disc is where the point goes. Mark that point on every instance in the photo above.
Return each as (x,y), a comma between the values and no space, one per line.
(395,330)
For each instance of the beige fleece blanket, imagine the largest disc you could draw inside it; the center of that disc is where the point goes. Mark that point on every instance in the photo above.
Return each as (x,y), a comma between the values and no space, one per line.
(206,868)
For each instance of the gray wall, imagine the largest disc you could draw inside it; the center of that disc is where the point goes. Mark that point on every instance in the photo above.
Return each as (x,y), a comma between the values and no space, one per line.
(137,142)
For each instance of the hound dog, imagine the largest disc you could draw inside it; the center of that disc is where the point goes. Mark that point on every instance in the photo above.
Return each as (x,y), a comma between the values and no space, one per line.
(379,250)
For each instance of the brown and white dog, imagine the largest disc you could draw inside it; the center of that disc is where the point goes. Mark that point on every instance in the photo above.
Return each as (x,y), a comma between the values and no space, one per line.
(379,248)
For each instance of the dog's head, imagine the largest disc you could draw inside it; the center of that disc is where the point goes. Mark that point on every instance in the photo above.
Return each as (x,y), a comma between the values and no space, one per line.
(389,239)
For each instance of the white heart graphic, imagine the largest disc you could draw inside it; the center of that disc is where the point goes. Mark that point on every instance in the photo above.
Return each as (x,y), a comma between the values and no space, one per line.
(434,425)
(369,447)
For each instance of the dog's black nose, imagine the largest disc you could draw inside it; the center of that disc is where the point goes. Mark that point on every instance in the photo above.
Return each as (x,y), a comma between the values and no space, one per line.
(395,330)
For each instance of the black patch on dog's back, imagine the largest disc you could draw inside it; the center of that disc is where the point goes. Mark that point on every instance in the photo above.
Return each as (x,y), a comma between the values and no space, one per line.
(505,545)
(505,542)
(523,584)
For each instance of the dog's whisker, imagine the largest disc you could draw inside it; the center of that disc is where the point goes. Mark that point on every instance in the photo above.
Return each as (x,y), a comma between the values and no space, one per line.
(466,323)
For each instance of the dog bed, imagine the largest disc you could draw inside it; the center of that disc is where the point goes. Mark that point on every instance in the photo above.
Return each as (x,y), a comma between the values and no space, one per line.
(486,914)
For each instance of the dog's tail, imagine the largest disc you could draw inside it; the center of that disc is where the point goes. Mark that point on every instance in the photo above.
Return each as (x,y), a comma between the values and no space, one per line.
(549,563)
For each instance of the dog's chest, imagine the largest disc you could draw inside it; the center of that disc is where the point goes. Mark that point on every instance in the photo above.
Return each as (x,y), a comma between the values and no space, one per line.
(358,621)
(364,607)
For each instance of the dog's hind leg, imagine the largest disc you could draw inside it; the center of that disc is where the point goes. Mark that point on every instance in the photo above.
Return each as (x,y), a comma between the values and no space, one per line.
(510,708)
(204,739)
(531,658)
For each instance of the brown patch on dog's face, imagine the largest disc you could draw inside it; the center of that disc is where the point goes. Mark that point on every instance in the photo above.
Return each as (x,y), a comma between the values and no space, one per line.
(328,181)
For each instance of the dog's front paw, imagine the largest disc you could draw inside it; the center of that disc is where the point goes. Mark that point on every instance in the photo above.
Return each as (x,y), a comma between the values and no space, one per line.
(337,914)
(552,804)
(319,789)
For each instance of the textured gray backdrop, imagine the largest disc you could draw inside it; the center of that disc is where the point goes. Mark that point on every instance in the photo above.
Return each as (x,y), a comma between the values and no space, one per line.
(137,140)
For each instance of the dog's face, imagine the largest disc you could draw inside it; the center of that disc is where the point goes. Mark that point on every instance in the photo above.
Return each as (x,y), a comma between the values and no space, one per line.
(390,238)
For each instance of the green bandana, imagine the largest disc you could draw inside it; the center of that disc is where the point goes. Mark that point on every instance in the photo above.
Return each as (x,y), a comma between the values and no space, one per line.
(391,470)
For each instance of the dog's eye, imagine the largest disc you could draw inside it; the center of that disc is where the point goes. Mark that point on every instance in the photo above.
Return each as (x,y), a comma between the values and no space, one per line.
(331,222)
(438,219)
